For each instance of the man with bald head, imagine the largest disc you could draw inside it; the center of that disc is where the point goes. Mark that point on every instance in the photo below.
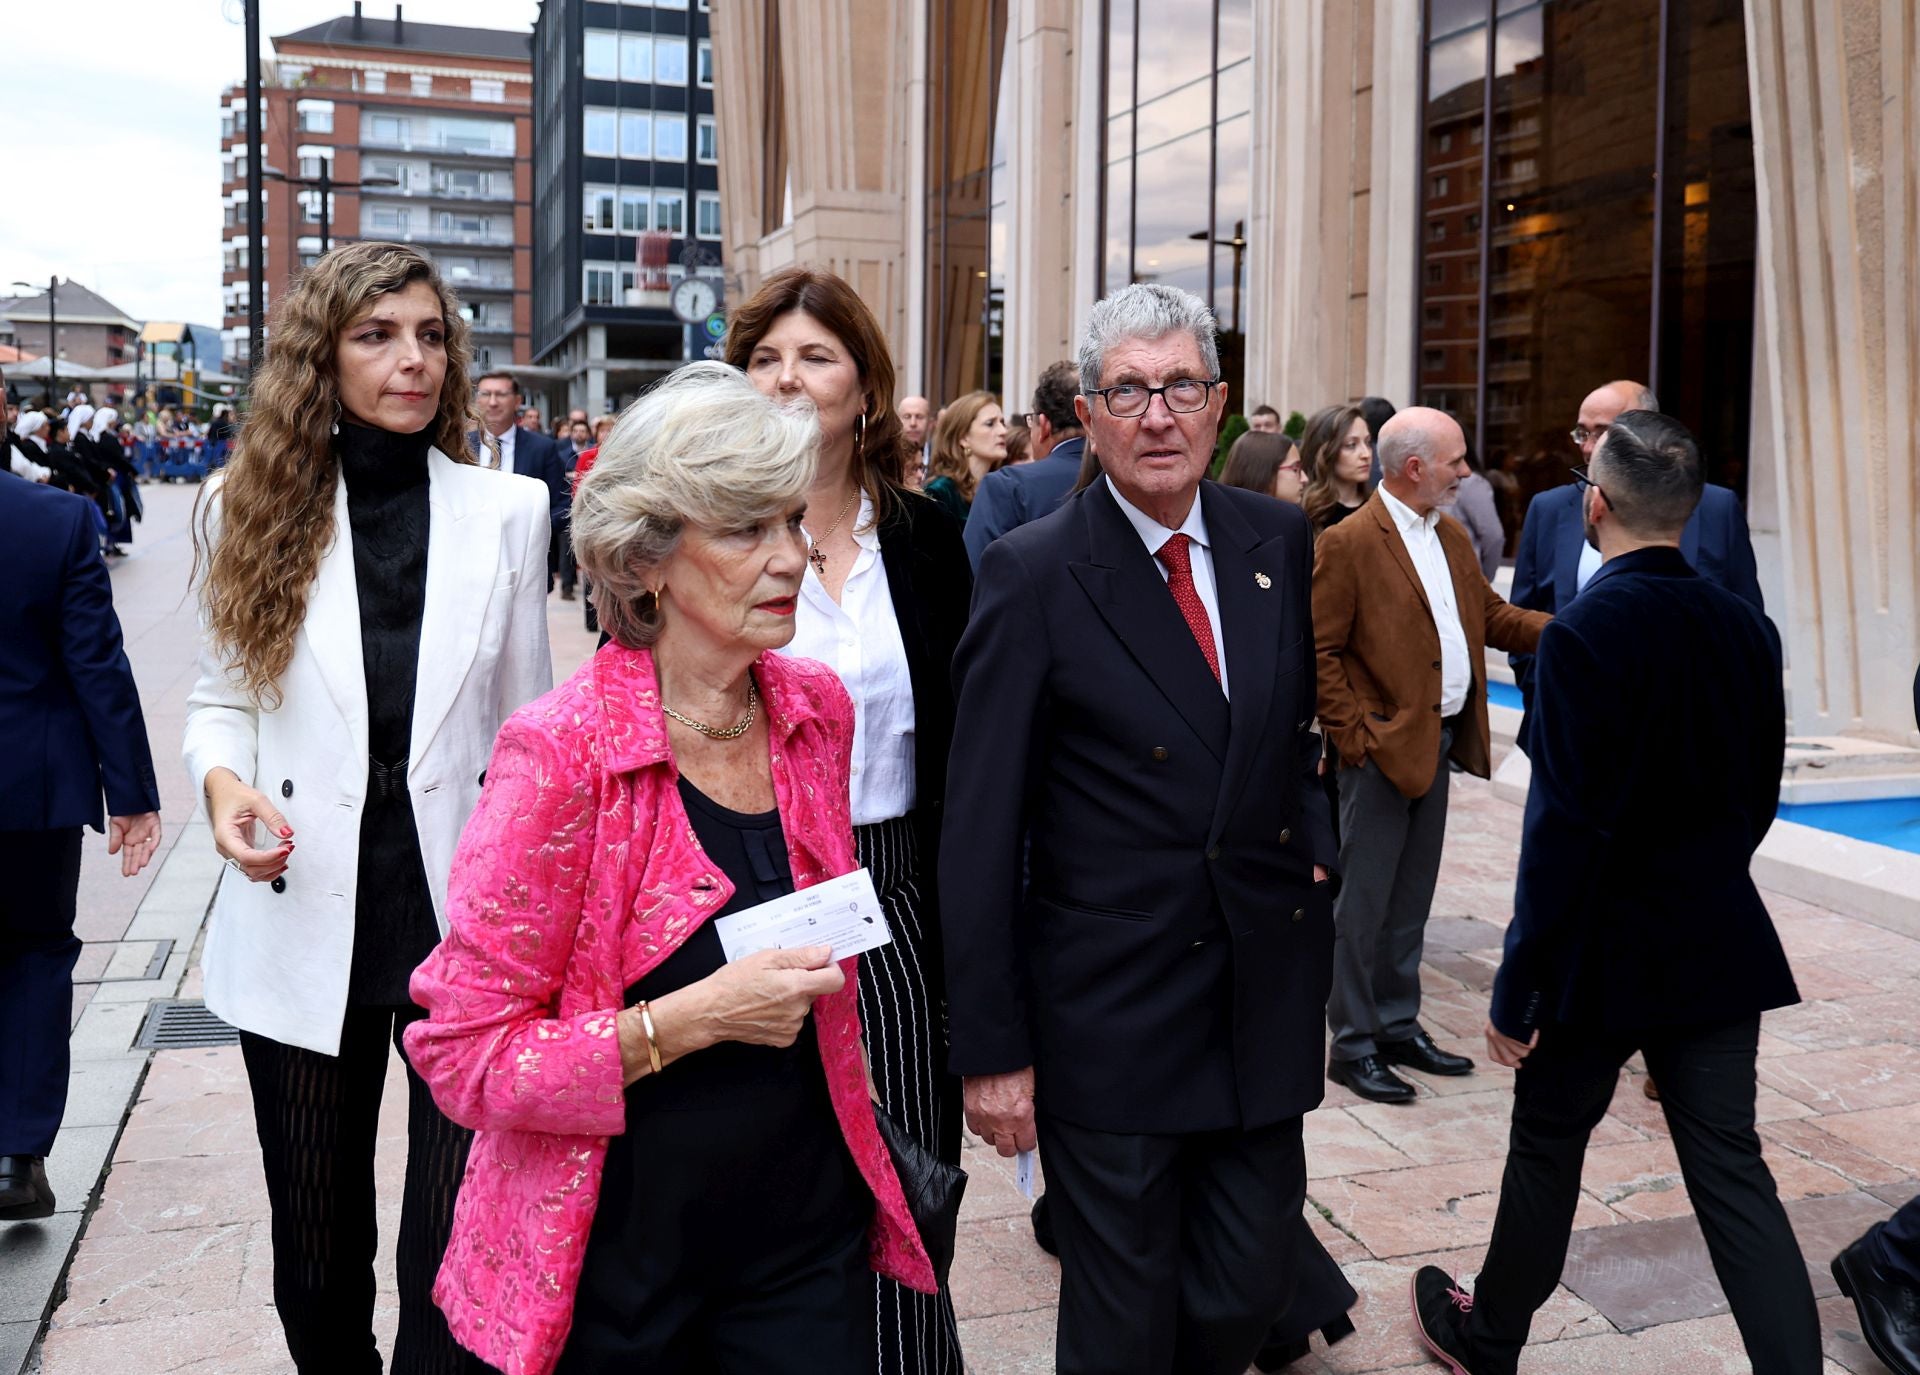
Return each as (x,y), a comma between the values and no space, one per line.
(1555,559)
(915,416)
(1402,616)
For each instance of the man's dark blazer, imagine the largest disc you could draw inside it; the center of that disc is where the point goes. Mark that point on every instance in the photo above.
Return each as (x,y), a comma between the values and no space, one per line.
(1164,965)
(70,720)
(1013,496)
(1546,567)
(1634,907)
(536,455)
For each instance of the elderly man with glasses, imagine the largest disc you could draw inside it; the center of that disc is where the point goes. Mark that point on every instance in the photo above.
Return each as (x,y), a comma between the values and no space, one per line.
(1133,878)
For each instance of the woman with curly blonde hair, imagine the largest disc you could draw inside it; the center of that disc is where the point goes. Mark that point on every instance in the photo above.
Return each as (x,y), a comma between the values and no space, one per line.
(373,608)
(969,441)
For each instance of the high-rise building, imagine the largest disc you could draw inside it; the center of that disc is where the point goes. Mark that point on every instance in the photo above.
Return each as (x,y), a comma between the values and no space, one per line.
(627,189)
(426,131)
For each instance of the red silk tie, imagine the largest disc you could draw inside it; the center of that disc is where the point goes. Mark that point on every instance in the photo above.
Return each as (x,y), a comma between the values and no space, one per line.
(1179,565)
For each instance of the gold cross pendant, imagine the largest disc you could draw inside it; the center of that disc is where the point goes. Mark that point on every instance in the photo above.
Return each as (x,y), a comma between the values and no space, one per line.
(818,558)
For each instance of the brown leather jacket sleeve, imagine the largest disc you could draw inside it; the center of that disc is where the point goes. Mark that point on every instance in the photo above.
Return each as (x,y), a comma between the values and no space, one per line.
(1333,608)
(1510,628)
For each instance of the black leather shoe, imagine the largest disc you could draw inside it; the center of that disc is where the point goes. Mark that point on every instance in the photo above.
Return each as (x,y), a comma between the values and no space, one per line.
(1042,1218)
(1889,1311)
(1419,1052)
(1371,1079)
(1440,1309)
(24,1191)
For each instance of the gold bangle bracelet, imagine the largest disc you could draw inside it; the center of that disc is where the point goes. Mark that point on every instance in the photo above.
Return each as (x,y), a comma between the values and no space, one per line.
(646,1025)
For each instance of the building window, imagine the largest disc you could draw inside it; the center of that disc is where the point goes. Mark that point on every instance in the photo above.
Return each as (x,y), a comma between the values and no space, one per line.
(706,141)
(703,64)
(373,83)
(1441,186)
(1436,230)
(669,4)
(669,212)
(600,133)
(670,64)
(387,220)
(1433,360)
(315,117)
(633,211)
(669,138)
(636,57)
(598,202)
(706,211)
(422,84)
(389,130)
(599,284)
(602,59)
(489,92)
(636,134)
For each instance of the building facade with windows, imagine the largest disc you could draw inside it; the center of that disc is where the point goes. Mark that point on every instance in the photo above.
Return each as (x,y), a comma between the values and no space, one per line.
(627,190)
(429,129)
(1491,206)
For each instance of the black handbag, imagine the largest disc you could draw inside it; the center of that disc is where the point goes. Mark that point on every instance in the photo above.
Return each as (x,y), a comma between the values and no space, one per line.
(933,1189)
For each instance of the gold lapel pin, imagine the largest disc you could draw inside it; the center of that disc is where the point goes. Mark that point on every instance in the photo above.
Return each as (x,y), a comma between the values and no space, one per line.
(1264,581)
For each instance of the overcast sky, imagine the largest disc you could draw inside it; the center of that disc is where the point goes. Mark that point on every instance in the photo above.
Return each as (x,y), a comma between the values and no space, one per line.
(110,137)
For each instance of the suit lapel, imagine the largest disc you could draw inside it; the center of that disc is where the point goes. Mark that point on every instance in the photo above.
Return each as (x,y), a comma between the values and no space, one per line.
(1566,564)
(1251,612)
(463,565)
(1126,588)
(332,625)
(1382,518)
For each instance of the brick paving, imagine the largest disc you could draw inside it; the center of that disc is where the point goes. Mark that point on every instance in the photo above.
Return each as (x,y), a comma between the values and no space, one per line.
(172,1272)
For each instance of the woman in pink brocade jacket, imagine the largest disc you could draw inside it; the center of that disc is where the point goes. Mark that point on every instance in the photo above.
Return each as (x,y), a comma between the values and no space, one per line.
(676,1164)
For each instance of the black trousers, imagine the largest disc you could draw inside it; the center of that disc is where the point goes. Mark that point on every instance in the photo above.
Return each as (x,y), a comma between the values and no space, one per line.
(1175,1251)
(1895,1244)
(37,953)
(1706,1078)
(317,1116)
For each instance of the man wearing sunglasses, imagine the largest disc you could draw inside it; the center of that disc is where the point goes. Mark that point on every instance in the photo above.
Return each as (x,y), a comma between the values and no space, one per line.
(1641,824)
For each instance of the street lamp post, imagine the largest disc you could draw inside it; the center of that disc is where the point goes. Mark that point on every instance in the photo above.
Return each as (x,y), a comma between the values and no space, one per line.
(1238,243)
(53,334)
(256,196)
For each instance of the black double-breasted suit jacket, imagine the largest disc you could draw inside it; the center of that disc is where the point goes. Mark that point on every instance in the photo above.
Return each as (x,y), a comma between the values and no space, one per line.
(1127,862)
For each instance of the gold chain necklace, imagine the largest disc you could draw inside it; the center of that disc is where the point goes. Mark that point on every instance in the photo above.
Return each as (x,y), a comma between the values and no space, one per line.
(733,732)
(817,555)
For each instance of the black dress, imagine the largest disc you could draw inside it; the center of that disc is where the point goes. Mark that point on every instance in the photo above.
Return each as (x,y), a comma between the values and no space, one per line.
(731,1230)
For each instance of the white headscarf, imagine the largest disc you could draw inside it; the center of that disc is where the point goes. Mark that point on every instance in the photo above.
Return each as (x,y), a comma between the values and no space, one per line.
(77,419)
(30,424)
(102,420)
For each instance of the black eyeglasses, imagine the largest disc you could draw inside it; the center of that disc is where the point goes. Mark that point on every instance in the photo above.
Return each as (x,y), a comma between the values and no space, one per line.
(1582,481)
(1129,401)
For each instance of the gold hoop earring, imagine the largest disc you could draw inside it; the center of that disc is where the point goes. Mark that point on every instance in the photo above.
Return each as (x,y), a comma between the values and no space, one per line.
(860,433)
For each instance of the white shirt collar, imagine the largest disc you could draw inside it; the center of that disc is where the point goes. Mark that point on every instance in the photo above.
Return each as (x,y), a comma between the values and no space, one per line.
(866,530)
(1152,533)
(1404,515)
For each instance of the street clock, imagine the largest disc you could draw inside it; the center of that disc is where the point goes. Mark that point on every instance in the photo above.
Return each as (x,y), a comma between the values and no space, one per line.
(694,299)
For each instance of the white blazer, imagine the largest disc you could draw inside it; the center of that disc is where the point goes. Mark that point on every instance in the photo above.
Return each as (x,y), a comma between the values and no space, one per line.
(278,955)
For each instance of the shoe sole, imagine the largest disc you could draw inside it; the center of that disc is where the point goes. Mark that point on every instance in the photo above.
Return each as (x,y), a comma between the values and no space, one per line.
(1887,1358)
(27,1212)
(1374,1098)
(1434,1348)
(1428,1069)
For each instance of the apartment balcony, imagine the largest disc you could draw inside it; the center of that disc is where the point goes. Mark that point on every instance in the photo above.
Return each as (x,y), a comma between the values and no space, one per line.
(491,327)
(432,234)
(491,282)
(439,148)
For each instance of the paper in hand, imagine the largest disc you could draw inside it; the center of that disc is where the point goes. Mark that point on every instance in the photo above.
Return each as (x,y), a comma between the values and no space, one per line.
(843,912)
(1023,1173)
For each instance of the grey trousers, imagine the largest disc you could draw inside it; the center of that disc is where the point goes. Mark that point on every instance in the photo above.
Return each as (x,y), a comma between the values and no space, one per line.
(1389,862)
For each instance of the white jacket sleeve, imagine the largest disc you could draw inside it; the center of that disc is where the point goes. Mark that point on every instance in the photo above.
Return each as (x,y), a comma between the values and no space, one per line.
(526,662)
(223,723)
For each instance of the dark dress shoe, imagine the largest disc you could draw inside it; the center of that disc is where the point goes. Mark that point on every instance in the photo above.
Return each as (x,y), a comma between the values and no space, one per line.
(1889,1310)
(1042,1219)
(1440,1309)
(24,1191)
(1419,1052)
(1371,1079)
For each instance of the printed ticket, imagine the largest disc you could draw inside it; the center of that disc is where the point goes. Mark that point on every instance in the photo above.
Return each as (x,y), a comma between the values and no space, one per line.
(844,913)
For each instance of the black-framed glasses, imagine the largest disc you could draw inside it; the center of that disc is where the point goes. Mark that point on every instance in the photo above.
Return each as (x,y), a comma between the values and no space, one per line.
(1582,481)
(1130,400)
(1580,434)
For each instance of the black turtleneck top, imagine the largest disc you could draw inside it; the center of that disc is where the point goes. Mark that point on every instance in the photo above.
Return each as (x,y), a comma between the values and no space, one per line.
(394,926)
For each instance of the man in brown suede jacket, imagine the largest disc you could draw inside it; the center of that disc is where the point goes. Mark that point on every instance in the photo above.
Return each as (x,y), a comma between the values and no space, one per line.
(1402,618)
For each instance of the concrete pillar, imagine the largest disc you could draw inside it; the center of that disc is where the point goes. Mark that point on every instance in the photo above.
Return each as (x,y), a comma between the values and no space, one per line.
(1393,201)
(1041,193)
(1835,89)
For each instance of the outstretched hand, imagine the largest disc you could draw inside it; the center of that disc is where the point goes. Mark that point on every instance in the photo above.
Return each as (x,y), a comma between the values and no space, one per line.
(134,839)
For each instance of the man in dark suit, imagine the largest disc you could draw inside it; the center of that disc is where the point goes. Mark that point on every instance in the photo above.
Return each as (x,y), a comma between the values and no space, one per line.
(1135,912)
(70,728)
(1554,561)
(1636,925)
(1026,491)
(516,449)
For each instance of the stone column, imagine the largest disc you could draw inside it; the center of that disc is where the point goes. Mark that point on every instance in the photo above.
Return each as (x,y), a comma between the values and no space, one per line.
(1393,201)
(1041,199)
(1837,161)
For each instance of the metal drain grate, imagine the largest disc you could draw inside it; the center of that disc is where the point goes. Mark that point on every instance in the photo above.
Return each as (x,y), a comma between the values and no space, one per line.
(183,1024)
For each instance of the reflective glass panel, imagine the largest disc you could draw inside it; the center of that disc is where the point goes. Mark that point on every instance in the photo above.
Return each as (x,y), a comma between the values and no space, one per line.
(1447,374)
(1172,208)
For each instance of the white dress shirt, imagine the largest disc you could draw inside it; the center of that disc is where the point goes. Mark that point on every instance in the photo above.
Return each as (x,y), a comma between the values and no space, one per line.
(1589,565)
(1200,555)
(858,637)
(505,464)
(1421,535)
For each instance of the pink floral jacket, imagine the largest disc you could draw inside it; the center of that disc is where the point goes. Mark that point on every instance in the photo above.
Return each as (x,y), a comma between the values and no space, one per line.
(577,874)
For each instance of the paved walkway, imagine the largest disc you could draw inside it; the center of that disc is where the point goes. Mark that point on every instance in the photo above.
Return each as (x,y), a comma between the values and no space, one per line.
(172,1271)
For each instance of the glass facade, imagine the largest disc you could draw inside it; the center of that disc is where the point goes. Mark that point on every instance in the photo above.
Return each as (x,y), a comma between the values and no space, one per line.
(1585,217)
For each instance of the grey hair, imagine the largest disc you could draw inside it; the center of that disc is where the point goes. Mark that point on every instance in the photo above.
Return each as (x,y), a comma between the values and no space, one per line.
(1145,310)
(703,447)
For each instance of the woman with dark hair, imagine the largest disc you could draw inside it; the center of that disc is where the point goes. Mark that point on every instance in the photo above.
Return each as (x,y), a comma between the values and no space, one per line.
(1264,462)
(1339,463)
(883,600)
(373,607)
(969,441)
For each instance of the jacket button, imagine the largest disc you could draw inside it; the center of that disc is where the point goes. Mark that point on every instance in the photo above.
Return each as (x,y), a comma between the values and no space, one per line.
(1214,853)
(1285,835)
(286,787)
(1436,708)
(279,885)
(1299,914)
(1436,663)
(1159,753)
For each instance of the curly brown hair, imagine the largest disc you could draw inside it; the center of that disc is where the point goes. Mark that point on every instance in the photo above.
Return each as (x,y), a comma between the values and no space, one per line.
(880,451)
(274,500)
